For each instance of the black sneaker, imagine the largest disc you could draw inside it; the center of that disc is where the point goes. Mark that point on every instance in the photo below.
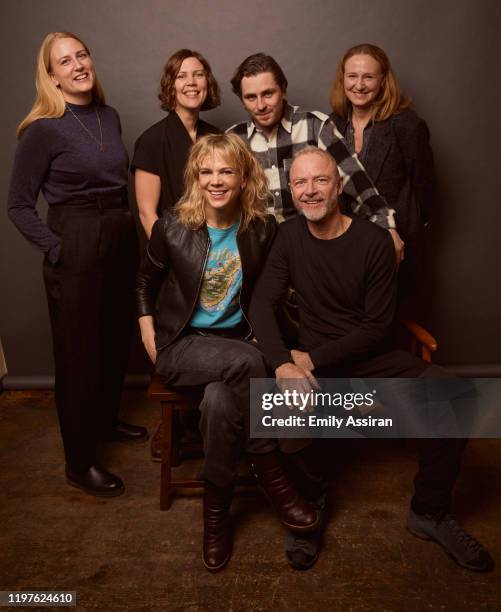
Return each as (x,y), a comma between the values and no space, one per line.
(302,550)
(458,544)
(125,432)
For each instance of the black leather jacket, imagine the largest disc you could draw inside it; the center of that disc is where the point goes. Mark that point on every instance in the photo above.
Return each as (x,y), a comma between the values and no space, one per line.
(171,273)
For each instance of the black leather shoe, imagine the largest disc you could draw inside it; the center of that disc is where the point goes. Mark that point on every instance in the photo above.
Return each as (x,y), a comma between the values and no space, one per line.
(96,481)
(124,432)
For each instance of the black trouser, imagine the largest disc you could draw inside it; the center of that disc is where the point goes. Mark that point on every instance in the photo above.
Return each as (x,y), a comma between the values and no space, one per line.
(218,371)
(412,286)
(439,459)
(90,293)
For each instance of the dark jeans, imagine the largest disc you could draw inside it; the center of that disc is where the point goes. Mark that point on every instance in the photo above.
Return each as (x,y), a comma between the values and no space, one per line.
(439,459)
(90,293)
(219,369)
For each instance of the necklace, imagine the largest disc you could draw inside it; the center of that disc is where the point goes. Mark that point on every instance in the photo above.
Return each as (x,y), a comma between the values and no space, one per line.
(102,146)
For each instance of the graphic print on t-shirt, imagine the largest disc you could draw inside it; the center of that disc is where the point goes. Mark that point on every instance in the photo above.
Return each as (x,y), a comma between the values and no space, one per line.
(218,300)
(222,274)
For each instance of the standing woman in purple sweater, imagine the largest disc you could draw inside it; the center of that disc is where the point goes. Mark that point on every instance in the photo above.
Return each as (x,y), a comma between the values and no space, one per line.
(70,149)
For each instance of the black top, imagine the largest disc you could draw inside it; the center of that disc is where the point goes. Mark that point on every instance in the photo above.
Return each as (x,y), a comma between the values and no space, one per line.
(349,138)
(345,291)
(163,150)
(60,158)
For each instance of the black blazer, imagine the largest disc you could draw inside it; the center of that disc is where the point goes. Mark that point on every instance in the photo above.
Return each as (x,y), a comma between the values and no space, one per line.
(399,160)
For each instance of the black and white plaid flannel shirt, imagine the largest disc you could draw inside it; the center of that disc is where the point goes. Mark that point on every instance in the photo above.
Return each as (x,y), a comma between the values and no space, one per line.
(300,128)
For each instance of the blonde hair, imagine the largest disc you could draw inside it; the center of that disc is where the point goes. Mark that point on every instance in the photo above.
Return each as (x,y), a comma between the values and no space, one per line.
(390,99)
(49,101)
(191,207)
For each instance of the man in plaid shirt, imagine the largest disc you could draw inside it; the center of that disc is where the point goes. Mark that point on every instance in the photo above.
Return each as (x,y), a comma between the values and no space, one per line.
(276,131)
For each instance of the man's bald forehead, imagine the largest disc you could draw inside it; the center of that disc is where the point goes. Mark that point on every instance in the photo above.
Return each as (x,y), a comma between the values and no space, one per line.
(315,151)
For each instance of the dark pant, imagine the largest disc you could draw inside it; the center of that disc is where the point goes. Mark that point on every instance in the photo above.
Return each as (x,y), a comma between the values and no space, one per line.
(439,459)
(219,370)
(90,293)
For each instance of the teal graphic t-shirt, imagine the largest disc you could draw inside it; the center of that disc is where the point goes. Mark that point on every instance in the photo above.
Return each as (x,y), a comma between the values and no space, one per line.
(218,298)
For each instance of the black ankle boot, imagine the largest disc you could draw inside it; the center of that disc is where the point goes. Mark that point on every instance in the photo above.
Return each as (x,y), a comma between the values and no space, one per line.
(125,432)
(95,481)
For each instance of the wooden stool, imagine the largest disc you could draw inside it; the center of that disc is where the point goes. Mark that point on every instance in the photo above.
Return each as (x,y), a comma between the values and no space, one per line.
(171,403)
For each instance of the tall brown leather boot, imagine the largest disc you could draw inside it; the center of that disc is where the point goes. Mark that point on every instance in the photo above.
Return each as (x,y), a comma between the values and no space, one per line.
(293,511)
(218,540)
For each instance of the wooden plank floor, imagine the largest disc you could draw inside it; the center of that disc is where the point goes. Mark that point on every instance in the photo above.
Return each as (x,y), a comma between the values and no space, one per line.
(124,554)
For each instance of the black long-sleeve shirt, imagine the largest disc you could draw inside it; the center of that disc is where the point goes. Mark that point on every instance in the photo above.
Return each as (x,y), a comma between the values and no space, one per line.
(345,290)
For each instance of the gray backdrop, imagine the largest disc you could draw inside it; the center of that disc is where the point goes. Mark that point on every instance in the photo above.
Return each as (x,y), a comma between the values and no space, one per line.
(445,55)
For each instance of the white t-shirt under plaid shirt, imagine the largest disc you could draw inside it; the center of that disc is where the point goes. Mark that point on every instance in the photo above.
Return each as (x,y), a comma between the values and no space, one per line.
(300,128)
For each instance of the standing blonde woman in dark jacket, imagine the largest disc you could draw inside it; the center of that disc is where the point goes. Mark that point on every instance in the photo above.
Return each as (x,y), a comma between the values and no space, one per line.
(393,144)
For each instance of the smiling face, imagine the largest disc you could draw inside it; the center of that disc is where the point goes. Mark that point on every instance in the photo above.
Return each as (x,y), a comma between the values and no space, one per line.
(315,186)
(190,85)
(221,184)
(72,70)
(263,100)
(363,79)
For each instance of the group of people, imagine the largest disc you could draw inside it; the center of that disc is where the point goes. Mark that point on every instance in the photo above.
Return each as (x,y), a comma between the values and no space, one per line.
(290,202)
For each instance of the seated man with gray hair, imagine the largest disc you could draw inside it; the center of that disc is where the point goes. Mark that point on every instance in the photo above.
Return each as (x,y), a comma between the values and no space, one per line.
(343,271)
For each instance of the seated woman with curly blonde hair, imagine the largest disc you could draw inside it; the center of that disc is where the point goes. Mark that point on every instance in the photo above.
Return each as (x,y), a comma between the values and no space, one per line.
(193,292)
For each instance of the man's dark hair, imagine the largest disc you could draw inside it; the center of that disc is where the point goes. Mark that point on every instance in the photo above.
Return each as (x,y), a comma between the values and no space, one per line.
(257,64)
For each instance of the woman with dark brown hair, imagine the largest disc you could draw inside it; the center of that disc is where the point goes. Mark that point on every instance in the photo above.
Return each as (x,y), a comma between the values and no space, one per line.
(187,87)
(392,142)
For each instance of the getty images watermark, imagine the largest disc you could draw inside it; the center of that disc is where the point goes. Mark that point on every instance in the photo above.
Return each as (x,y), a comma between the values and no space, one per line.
(306,402)
(376,407)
